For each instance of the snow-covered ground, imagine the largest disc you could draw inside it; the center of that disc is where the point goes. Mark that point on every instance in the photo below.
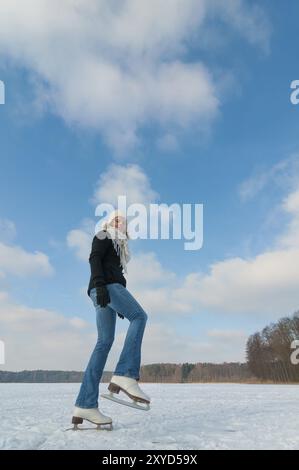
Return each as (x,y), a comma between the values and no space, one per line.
(182,416)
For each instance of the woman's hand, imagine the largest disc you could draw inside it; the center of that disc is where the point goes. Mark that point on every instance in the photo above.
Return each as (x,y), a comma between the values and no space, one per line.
(103,297)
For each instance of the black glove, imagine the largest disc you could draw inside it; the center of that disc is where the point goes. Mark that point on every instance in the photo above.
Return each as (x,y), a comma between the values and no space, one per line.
(103,297)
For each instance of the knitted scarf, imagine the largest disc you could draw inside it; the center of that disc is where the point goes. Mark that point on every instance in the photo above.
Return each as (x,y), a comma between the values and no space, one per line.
(119,240)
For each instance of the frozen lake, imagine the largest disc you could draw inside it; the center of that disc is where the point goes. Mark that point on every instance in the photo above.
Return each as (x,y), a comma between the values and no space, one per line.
(182,416)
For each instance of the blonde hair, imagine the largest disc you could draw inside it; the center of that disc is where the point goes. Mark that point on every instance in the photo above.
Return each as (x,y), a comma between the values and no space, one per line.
(111,217)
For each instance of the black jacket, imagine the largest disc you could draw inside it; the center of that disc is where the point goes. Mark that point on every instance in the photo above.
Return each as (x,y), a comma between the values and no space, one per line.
(104,263)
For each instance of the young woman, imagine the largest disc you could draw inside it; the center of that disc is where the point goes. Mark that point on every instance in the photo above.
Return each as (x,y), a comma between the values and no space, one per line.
(107,289)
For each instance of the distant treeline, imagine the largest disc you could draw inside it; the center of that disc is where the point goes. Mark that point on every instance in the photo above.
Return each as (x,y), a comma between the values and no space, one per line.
(160,373)
(198,372)
(269,351)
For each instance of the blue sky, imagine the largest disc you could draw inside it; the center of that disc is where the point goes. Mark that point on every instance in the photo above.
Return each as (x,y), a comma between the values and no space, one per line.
(64,138)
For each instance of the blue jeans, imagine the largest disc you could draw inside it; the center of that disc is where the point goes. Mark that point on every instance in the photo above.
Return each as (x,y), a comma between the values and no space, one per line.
(123,302)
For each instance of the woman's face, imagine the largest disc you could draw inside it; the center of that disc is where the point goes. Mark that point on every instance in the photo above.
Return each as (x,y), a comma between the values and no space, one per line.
(119,222)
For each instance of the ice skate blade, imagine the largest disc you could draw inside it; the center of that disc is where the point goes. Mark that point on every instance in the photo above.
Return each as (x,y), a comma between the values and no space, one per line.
(76,420)
(97,428)
(133,404)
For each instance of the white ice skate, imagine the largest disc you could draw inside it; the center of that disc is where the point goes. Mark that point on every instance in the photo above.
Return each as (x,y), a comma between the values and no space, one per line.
(131,388)
(93,415)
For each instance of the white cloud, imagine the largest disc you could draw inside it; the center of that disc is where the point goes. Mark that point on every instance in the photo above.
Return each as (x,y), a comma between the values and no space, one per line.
(290,236)
(39,338)
(162,343)
(78,323)
(129,180)
(153,274)
(248,19)
(282,174)
(156,287)
(264,285)
(117,65)
(15,260)
(80,239)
